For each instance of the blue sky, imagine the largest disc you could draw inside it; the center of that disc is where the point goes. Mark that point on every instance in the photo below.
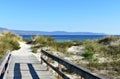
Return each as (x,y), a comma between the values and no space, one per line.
(101,16)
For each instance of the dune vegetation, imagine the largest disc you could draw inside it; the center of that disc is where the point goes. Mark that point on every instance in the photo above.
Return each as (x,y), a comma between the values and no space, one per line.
(47,41)
(101,55)
(8,41)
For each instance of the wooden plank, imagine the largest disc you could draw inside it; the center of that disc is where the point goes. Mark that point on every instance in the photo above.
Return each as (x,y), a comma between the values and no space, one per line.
(29,68)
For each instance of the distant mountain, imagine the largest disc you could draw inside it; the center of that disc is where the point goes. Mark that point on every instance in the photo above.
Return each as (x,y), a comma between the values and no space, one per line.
(54,33)
(21,32)
(2,29)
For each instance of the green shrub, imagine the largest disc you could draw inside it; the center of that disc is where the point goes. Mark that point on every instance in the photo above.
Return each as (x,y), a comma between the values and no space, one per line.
(113,50)
(88,55)
(49,41)
(8,41)
(15,44)
(76,42)
(108,40)
(62,46)
(12,35)
(34,50)
(4,47)
(44,40)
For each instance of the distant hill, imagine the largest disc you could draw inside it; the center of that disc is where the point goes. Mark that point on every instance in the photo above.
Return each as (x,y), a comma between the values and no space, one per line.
(21,32)
(54,33)
(2,29)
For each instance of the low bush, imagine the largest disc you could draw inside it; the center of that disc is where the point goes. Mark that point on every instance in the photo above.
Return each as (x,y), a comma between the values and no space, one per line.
(107,40)
(62,46)
(44,40)
(88,55)
(34,50)
(8,41)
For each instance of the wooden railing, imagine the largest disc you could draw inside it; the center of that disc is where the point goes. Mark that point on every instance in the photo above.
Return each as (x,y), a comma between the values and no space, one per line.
(4,64)
(82,72)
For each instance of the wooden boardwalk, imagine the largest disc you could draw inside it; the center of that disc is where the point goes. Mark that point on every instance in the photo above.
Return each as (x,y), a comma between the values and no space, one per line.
(24,65)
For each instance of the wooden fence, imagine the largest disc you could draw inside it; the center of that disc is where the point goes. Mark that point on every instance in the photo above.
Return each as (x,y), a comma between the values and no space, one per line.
(4,62)
(82,72)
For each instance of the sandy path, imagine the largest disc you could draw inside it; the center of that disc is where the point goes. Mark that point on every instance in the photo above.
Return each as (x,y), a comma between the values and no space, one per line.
(25,50)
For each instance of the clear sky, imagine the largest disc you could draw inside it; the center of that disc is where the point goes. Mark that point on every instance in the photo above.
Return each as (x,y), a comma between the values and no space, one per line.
(101,16)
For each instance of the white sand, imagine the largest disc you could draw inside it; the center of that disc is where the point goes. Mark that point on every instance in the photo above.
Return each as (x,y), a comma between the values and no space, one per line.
(25,50)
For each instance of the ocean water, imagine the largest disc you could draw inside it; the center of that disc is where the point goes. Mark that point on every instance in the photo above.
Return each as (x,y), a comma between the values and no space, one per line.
(69,37)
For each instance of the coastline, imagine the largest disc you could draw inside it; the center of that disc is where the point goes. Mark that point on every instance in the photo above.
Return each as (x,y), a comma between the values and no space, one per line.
(68,37)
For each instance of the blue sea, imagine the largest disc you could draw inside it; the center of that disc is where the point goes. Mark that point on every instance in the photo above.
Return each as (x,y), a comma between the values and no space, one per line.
(69,37)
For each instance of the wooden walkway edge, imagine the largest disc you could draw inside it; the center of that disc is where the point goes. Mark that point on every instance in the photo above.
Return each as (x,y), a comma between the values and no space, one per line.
(27,67)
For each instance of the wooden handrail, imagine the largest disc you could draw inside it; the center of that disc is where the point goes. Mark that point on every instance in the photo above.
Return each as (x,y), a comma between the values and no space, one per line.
(84,73)
(4,63)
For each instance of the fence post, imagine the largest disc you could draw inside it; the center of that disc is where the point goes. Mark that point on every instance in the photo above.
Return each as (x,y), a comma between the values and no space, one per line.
(41,58)
(60,69)
(48,60)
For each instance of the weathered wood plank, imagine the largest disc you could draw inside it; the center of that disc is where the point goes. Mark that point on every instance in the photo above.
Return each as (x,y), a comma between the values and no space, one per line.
(27,68)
